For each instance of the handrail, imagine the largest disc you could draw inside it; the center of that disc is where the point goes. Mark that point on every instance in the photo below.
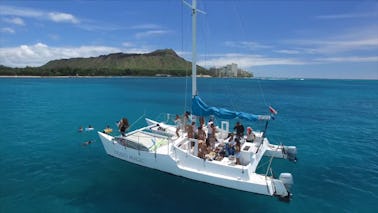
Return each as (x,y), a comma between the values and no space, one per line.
(270,163)
(140,129)
(155,135)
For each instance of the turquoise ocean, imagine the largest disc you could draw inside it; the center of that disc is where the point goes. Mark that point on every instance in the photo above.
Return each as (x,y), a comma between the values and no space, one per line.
(45,168)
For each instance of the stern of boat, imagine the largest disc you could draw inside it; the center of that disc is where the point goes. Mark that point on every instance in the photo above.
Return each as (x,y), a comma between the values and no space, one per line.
(281,151)
(282,186)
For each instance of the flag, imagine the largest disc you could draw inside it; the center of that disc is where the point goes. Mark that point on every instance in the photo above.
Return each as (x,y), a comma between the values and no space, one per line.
(273,111)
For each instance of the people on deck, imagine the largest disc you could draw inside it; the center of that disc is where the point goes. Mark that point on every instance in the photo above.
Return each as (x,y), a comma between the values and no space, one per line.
(195,129)
(210,129)
(190,131)
(123,125)
(202,149)
(107,130)
(178,125)
(250,135)
(186,121)
(239,128)
(202,121)
(201,134)
(186,118)
(230,146)
(237,150)
(211,139)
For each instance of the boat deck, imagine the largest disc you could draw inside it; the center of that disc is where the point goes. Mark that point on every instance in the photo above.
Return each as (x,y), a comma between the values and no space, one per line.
(148,141)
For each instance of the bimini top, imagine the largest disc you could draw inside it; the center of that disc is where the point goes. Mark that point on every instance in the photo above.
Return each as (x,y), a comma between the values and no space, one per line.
(200,108)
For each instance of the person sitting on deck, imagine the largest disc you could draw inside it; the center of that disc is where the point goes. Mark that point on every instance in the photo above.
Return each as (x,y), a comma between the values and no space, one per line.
(230,146)
(202,149)
(250,135)
(107,130)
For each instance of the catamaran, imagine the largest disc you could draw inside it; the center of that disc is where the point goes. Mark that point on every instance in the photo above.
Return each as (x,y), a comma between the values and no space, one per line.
(158,146)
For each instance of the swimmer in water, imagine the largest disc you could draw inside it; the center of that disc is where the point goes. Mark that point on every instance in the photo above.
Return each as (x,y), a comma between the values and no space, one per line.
(87,143)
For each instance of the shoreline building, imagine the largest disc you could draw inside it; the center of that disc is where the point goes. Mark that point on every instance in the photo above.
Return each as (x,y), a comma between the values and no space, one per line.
(230,71)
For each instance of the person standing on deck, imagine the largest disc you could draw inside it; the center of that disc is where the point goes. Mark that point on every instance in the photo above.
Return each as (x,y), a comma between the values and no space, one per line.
(123,125)
(201,134)
(237,151)
(239,128)
(178,125)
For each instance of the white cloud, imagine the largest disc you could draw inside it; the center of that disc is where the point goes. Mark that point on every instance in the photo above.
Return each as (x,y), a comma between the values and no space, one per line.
(252,45)
(15,20)
(33,13)
(349,59)
(146,27)
(39,54)
(139,50)
(7,30)
(151,33)
(332,46)
(54,37)
(19,11)
(130,47)
(62,17)
(127,44)
(247,61)
(290,52)
(347,16)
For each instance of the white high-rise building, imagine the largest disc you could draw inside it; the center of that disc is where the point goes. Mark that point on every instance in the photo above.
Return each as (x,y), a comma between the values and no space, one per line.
(230,70)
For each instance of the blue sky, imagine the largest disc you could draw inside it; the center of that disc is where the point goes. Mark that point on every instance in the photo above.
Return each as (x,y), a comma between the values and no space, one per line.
(304,39)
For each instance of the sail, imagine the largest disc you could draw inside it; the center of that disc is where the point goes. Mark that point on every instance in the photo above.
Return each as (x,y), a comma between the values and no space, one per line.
(200,108)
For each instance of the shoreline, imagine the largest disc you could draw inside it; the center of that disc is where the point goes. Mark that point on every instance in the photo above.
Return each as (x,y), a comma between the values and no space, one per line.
(254,78)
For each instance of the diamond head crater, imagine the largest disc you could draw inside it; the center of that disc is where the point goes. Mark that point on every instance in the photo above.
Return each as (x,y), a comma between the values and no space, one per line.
(164,62)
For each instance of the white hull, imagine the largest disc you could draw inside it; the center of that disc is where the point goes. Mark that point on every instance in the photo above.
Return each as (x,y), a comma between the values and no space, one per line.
(174,157)
(157,146)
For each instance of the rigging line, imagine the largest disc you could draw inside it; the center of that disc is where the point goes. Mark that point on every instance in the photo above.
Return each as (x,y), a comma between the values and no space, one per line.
(262,92)
(137,120)
(182,50)
(241,24)
(205,27)
(259,80)
(231,98)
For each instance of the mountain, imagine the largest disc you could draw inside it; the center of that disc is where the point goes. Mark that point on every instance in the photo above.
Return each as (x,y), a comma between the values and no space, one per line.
(159,62)
(164,61)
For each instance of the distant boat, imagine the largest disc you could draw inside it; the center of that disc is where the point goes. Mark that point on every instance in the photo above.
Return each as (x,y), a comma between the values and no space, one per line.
(158,147)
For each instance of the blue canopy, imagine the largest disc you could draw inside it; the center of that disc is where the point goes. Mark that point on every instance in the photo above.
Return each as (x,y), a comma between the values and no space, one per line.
(200,108)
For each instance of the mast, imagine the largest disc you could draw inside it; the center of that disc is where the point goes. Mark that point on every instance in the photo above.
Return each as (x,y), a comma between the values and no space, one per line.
(193,6)
(194,48)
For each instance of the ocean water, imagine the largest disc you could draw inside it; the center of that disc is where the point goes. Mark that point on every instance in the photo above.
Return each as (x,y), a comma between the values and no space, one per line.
(45,168)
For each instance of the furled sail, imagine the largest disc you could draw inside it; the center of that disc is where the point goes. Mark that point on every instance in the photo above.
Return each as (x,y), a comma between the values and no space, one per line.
(200,108)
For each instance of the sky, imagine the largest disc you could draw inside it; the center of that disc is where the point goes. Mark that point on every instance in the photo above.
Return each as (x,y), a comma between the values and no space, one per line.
(283,39)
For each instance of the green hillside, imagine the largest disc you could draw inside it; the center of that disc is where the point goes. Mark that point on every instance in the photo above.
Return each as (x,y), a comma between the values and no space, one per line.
(163,62)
